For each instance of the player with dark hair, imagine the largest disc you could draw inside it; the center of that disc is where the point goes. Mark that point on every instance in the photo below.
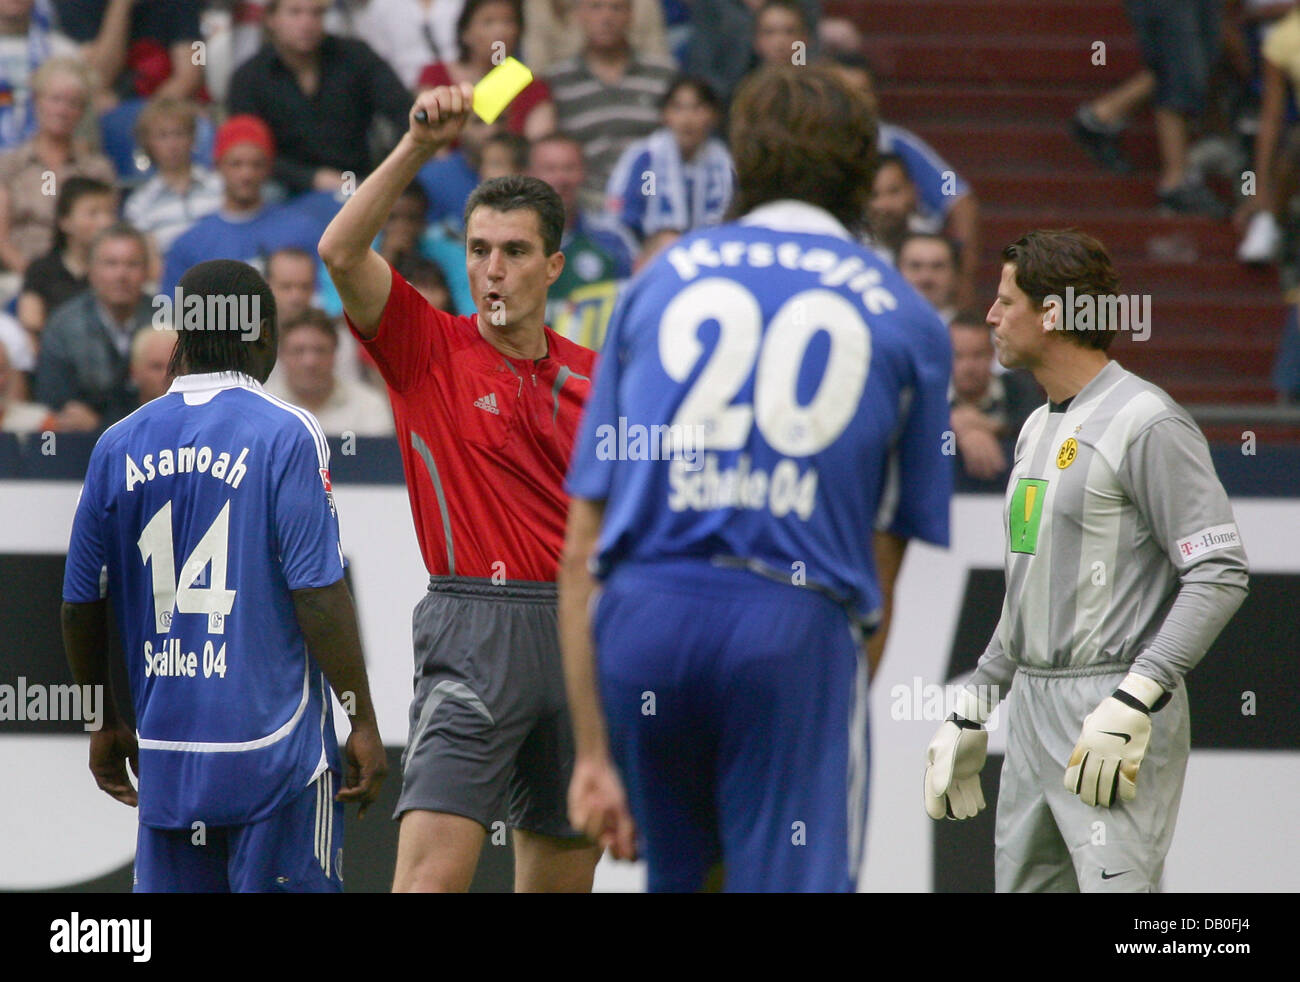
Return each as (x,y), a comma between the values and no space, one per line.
(207,519)
(486,409)
(1123,564)
(797,390)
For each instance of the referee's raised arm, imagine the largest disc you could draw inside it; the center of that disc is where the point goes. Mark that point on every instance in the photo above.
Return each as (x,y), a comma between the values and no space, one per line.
(359,273)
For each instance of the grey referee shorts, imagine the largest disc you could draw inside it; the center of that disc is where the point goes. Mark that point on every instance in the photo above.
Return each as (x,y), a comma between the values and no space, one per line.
(490,737)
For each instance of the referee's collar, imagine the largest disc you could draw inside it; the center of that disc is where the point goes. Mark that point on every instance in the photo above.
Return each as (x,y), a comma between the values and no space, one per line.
(213,381)
(791,215)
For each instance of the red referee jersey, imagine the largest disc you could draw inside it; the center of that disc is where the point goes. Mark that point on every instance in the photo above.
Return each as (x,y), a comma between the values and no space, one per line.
(485,438)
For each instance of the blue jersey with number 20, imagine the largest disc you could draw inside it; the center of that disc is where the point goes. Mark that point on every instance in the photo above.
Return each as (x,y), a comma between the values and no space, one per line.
(200,513)
(769,392)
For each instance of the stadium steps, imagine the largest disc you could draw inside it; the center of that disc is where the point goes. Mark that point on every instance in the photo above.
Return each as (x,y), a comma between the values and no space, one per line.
(987,143)
(922,103)
(992,85)
(1127,232)
(980,18)
(996,59)
(1047,187)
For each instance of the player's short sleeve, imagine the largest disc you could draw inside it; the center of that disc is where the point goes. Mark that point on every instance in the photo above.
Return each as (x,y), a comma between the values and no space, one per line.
(591,473)
(179,258)
(1168,474)
(83,579)
(412,334)
(919,475)
(305,524)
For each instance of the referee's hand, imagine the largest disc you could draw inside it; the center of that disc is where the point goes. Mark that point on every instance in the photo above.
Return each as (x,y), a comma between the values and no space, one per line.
(366,764)
(598,807)
(439,114)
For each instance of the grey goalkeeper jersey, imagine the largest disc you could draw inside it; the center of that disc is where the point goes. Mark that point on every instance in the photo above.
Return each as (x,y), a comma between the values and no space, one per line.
(1121,547)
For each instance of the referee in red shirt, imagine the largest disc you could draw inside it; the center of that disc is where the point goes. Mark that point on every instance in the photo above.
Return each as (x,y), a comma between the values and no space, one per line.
(486,410)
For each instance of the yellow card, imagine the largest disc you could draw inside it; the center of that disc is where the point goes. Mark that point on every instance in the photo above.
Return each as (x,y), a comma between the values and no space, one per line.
(498,88)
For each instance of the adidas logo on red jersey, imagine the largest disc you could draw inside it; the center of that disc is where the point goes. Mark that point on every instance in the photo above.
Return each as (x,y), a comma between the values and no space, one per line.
(488,402)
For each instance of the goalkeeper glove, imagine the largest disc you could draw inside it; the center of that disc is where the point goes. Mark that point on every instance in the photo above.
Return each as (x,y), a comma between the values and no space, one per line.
(954,760)
(1113,742)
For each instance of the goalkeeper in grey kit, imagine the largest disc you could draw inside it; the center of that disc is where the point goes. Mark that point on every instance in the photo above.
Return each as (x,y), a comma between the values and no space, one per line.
(1123,564)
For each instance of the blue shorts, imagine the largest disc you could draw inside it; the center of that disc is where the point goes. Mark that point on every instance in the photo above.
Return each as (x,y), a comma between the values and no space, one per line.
(298,848)
(737,712)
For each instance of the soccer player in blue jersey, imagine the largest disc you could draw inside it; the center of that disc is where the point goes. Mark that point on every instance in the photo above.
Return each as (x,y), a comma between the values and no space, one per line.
(770,395)
(208,521)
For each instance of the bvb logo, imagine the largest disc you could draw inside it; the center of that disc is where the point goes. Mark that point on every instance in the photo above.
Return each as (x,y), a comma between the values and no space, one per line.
(1065,456)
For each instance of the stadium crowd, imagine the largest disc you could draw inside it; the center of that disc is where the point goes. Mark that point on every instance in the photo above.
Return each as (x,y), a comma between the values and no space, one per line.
(139,137)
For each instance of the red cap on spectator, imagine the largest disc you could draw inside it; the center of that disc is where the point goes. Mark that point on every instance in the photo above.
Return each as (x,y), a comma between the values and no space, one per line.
(243,129)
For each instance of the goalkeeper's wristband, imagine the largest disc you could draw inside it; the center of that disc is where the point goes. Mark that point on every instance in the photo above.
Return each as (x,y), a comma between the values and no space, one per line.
(1141,693)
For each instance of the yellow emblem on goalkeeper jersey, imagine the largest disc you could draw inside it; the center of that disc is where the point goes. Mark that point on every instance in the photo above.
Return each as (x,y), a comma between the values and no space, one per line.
(1065,456)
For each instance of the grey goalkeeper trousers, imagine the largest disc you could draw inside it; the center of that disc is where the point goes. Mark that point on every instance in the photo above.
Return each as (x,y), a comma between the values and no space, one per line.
(1047,839)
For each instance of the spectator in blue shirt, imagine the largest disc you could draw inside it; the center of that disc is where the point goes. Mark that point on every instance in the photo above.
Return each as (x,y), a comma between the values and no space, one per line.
(246,228)
(680,176)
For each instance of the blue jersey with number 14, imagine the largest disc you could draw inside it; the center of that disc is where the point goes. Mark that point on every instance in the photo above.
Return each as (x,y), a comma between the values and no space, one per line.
(201,512)
(771,393)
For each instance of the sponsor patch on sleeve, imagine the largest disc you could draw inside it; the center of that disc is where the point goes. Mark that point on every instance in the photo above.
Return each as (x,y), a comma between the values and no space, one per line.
(1212,539)
(329,490)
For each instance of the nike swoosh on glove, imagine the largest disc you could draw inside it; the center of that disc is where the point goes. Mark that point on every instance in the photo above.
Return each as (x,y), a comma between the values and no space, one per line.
(1114,740)
(952,773)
